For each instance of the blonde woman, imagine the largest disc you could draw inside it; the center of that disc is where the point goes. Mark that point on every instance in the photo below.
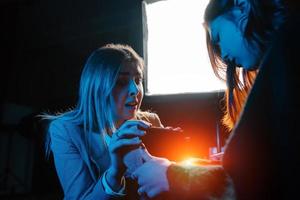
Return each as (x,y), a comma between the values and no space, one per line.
(89,142)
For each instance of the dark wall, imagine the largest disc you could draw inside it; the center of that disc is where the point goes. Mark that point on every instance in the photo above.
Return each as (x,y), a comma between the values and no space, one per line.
(44,46)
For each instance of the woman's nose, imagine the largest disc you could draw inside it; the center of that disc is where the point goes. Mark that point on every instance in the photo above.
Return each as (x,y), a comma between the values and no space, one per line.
(133,88)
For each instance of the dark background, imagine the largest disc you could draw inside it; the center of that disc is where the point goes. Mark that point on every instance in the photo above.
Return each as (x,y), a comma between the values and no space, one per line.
(44,44)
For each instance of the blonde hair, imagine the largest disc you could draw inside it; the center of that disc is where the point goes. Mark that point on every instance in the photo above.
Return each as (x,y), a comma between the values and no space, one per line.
(94,107)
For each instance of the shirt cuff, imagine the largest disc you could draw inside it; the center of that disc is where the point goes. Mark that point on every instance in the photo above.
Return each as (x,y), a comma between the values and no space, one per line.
(108,189)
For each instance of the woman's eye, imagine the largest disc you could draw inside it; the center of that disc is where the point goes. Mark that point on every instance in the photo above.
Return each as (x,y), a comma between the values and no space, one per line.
(122,81)
(139,80)
(241,5)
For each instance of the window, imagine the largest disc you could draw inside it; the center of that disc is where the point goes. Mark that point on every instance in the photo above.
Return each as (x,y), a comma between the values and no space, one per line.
(175,48)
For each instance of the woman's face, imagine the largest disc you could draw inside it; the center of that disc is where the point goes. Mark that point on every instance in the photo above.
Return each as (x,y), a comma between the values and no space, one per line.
(128,92)
(228,37)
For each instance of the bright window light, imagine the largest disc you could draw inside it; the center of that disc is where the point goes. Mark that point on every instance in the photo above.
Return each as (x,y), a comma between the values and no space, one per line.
(176,53)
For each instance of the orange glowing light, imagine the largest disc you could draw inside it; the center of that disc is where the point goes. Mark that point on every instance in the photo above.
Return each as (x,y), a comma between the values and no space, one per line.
(192,161)
(189,161)
(179,147)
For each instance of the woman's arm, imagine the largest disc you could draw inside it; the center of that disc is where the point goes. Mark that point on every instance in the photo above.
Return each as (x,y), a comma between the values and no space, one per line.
(73,173)
(199,182)
(159,177)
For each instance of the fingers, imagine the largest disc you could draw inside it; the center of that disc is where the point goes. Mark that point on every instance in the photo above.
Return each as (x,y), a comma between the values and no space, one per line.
(136,175)
(142,190)
(128,132)
(174,129)
(151,192)
(146,156)
(128,135)
(139,123)
(149,184)
(177,129)
(132,128)
(125,143)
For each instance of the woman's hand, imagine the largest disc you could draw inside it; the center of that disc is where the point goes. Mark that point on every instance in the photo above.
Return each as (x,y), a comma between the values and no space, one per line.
(152,175)
(174,129)
(126,138)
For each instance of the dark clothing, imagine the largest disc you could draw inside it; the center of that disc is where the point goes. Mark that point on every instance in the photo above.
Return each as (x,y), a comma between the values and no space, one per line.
(262,154)
(200,182)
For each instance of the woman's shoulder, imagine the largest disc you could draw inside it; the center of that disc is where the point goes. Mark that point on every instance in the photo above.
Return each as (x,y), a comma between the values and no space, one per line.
(151,117)
(62,127)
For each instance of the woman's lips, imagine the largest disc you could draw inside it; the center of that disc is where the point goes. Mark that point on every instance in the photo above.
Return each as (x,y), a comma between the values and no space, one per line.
(132,105)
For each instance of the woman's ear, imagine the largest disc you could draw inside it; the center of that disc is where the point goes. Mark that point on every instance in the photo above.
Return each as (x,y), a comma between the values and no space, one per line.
(243,5)
(242,14)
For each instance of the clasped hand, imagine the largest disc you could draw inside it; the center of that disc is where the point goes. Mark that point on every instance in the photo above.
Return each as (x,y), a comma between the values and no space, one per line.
(126,138)
(152,176)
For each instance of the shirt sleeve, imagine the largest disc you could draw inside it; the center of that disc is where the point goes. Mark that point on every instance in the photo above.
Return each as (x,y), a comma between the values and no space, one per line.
(109,190)
(199,182)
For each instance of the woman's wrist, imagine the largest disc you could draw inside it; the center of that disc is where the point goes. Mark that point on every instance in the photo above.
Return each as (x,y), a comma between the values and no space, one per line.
(116,192)
(114,178)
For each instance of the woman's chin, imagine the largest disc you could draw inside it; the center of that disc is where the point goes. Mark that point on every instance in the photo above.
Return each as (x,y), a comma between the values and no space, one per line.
(130,116)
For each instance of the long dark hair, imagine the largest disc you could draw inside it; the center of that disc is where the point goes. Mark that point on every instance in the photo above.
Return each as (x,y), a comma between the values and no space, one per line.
(263,19)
